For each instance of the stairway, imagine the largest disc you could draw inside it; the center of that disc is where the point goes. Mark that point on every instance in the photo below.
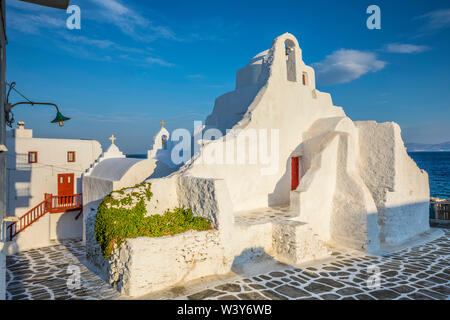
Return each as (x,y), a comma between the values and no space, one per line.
(51,204)
(294,242)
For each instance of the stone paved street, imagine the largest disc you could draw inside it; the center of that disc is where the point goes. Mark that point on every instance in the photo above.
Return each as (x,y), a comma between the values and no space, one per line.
(43,274)
(418,272)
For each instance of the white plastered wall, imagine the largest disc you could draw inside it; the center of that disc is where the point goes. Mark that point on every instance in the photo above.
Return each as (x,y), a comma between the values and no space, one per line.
(290,107)
(27,184)
(399,188)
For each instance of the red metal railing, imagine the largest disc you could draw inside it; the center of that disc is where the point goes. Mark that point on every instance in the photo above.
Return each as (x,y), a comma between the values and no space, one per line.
(65,203)
(51,204)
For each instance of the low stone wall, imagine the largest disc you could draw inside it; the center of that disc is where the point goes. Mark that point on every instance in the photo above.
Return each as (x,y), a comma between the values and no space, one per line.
(405,221)
(294,243)
(144,265)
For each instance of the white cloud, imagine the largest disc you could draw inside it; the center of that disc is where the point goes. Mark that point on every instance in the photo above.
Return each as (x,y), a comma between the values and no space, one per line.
(99,43)
(131,22)
(437,19)
(405,48)
(158,61)
(345,65)
(113,6)
(32,23)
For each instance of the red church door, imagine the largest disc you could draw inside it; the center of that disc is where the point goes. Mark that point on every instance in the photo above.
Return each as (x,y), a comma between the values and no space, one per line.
(295,172)
(65,187)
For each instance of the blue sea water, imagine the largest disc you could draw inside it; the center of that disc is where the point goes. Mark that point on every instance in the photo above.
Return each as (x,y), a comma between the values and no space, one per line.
(137,156)
(437,164)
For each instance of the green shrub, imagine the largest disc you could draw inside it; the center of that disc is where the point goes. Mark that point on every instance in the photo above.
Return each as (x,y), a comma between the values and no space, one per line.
(114,224)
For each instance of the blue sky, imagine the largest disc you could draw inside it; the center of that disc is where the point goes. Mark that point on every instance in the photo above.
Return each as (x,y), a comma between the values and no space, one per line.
(135,63)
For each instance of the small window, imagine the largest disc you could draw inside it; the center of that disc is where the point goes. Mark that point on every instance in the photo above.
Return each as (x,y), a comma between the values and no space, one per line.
(164,142)
(71,156)
(32,157)
(305,78)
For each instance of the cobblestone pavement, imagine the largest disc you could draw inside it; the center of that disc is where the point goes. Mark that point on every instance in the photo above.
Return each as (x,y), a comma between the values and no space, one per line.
(50,274)
(264,215)
(418,272)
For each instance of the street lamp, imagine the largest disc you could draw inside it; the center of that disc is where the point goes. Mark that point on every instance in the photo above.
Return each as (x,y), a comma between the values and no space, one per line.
(8,106)
(59,4)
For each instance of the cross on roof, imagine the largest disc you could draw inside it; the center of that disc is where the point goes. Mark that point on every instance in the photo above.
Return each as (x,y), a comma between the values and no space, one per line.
(112,139)
(162,123)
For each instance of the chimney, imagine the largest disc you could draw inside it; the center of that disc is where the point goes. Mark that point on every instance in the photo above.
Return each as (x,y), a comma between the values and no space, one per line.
(21,132)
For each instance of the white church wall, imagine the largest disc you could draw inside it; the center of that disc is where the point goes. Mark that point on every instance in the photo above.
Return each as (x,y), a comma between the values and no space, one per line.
(316,197)
(284,105)
(409,202)
(95,189)
(333,198)
(354,222)
(165,196)
(400,189)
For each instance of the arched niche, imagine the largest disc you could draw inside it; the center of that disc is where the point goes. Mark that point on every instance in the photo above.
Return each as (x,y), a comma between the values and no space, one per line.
(290,60)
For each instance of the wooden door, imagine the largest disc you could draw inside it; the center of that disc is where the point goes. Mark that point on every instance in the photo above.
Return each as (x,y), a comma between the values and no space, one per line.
(295,172)
(65,187)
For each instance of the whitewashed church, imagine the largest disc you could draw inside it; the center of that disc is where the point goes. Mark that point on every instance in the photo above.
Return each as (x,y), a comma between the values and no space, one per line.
(332,182)
(280,171)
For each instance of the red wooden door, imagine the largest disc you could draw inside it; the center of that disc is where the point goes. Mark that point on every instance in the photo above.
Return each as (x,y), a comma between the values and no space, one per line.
(65,187)
(295,172)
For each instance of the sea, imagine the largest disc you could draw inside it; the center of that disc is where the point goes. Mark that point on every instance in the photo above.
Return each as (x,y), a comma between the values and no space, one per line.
(437,164)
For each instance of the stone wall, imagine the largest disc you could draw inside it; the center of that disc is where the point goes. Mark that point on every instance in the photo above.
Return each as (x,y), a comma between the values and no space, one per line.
(143,265)
(294,242)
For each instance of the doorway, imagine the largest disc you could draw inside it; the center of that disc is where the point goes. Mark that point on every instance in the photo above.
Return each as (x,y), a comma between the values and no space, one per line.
(295,172)
(65,187)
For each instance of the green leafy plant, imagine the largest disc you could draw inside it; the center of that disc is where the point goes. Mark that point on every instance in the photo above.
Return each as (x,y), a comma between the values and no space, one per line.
(115,223)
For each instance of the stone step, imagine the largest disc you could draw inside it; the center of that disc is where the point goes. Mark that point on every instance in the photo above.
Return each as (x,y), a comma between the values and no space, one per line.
(295,201)
(294,242)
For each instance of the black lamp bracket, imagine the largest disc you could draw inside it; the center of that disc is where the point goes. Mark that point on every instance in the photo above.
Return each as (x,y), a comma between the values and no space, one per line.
(8,106)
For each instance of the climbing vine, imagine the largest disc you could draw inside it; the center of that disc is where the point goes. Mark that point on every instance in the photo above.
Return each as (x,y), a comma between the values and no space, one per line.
(119,219)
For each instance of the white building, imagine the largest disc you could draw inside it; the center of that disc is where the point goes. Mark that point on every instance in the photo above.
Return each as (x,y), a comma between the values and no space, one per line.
(61,4)
(328,181)
(162,147)
(39,166)
(113,171)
